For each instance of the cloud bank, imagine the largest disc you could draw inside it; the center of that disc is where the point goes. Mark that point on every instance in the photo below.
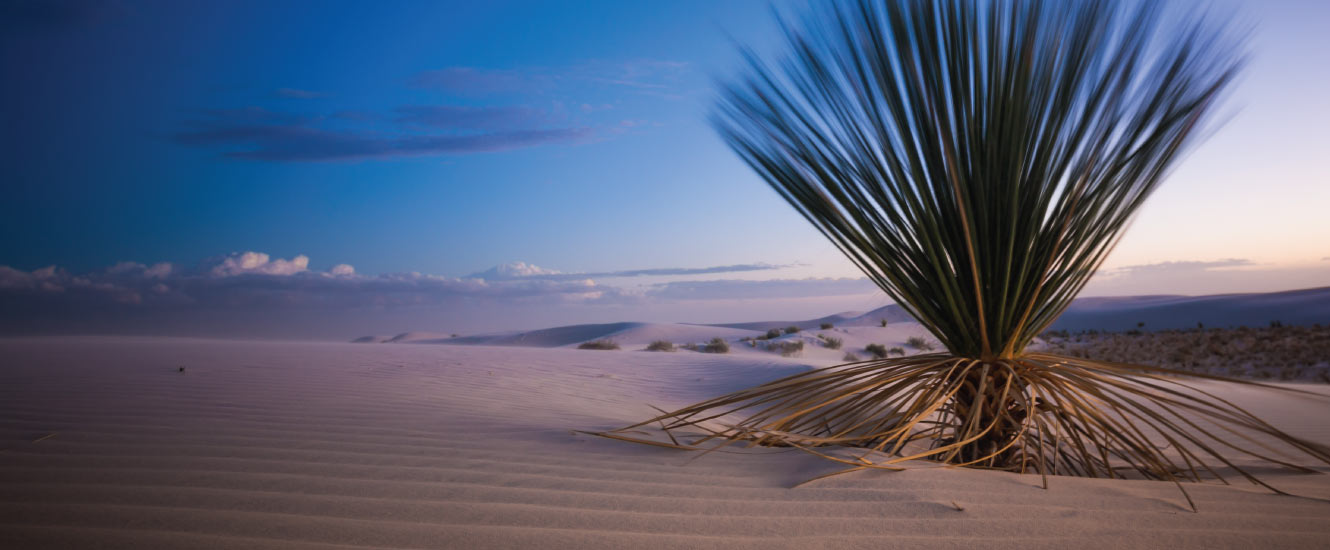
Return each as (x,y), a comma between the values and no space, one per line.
(530,113)
(254,279)
(258,134)
(522,270)
(247,287)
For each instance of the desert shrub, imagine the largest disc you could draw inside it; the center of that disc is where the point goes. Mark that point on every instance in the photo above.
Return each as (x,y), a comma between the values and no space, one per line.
(832,343)
(878,350)
(884,322)
(660,345)
(773,333)
(791,329)
(918,343)
(923,95)
(599,344)
(827,326)
(787,348)
(1244,352)
(716,345)
(850,357)
(897,350)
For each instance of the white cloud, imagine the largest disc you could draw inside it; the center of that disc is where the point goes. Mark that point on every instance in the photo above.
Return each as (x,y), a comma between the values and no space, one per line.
(258,262)
(342,270)
(513,270)
(739,289)
(159,270)
(1189,266)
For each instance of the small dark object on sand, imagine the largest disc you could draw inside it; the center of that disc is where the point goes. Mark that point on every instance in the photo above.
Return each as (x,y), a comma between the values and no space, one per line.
(182,369)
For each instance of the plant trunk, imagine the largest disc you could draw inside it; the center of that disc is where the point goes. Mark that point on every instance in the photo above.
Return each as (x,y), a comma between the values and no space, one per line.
(988,407)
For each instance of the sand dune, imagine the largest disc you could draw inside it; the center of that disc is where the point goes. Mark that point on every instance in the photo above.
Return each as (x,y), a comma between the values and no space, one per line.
(309,445)
(891,313)
(636,336)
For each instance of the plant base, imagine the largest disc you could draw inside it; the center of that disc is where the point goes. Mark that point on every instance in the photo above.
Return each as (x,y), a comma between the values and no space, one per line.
(1039,413)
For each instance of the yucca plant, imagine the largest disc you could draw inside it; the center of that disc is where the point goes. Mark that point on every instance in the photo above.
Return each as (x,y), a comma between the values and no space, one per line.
(978,161)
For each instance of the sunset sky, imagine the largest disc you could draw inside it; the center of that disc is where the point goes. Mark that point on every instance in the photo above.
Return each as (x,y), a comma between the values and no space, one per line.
(472,166)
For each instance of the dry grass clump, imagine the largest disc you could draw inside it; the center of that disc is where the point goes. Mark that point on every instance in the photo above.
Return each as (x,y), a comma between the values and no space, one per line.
(716,345)
(1277,352)
(876,350)
(605,344)
(827,326)
(787,348)
(831,342)
(791,329)
(660,345)
(850,358)
(918,343)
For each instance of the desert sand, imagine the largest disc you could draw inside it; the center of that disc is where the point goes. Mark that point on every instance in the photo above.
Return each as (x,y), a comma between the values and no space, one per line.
(104,443)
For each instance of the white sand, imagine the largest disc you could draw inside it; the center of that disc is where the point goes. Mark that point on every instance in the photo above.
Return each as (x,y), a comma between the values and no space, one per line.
(311,445)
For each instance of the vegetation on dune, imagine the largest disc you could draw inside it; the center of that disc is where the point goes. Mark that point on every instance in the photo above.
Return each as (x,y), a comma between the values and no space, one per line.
(1285,353)
(791,329)
(831,342)
(876,350)
(918,343)
(978,161)
(716,345)
(660,345)
(599,344)
(787,348)
(827,326)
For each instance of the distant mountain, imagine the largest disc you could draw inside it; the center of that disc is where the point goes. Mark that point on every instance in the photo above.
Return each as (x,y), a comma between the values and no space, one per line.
(1119,313)
(1294,307)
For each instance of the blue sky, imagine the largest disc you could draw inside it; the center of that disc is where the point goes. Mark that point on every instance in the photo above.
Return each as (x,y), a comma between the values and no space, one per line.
(444,138)
(115,163)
